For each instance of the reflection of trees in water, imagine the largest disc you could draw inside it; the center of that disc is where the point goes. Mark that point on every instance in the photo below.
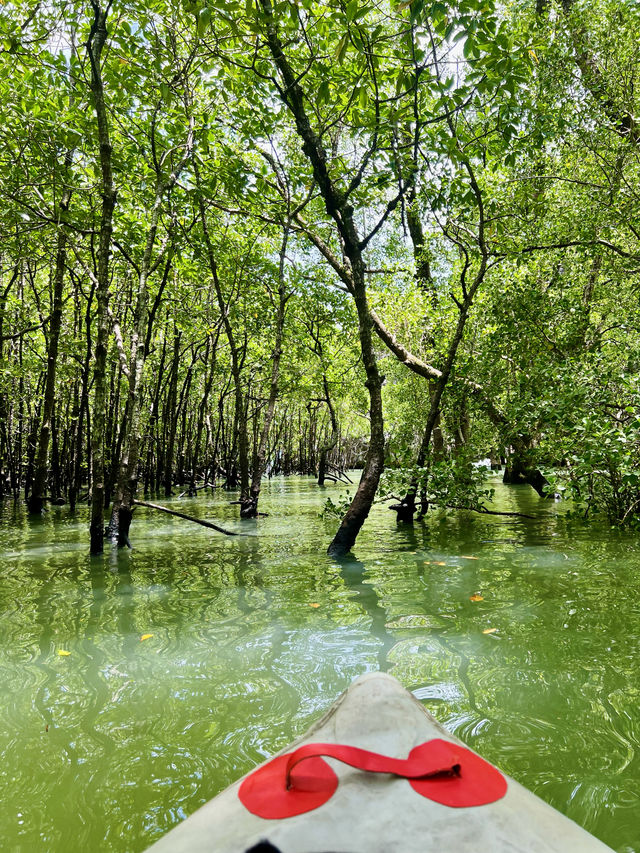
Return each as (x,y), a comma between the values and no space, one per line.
(353,574)
(235,643)
(462,670)
(249,579)
(449,531)
(555,673)
(422,654)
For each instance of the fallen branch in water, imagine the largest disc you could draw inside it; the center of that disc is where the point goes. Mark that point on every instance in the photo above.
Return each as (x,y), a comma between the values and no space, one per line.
(197,489)
(338,480)
(340,473)
(208,524)
(484,511)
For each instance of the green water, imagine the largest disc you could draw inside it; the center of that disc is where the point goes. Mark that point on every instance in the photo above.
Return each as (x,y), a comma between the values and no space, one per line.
(106,748)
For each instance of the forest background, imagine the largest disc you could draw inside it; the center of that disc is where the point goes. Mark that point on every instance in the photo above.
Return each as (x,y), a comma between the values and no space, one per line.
(275,237)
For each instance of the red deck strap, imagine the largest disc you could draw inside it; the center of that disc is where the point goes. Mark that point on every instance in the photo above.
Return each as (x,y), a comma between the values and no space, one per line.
(477,783)
(301,781)
(264,793)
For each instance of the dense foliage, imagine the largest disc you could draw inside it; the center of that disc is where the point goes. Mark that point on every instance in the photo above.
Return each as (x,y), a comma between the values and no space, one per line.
(243,238)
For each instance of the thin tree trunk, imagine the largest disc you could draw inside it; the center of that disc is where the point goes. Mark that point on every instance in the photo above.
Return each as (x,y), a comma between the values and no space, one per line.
(83,411)
(327,446)
(171,418)
(210,353)
(38,492)
(56,486)
(250,509)
(153,422)
(95,45)
(438,387)
(236,362)
(4,432)
(142,326)
(17,467)
(114,432)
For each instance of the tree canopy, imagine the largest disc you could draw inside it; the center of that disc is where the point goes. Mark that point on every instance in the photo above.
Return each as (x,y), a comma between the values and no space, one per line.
(241,238)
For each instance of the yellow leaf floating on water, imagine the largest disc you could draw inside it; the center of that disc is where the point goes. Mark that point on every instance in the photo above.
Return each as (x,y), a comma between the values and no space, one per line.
(63,653)
(477,598)
(439,563)
(145,637)
(489,630)
(314,605)
(467,557)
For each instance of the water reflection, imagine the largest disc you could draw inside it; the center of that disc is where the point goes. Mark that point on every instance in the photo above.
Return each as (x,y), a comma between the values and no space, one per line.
(251,638)
(353,573)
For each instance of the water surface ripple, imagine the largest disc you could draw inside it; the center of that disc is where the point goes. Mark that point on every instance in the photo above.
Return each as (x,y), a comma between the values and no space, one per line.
(109,745)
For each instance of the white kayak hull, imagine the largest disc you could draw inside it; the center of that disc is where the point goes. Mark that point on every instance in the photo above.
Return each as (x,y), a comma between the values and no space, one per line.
(380,813)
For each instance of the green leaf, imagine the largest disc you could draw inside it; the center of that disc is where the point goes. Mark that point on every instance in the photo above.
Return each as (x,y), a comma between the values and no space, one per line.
(342,47)
(469,48)
(324,92)
(204,19)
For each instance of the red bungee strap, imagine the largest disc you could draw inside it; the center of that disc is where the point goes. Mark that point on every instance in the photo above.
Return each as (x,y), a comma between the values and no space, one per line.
(439,770)
(420,764)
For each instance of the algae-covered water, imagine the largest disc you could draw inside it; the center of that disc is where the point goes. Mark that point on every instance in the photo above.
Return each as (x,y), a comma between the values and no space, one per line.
(107,740)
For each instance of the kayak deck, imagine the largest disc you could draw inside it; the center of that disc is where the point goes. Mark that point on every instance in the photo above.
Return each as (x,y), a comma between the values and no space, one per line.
(380,813)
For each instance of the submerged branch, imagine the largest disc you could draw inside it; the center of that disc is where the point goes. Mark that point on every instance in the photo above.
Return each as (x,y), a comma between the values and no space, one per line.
(200,521)
(484,511)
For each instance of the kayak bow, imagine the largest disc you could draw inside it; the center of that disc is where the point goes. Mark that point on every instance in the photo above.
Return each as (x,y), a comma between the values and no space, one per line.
(378,774)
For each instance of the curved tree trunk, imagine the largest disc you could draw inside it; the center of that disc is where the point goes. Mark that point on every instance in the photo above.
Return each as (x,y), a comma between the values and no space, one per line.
(339,209)
(363,499)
